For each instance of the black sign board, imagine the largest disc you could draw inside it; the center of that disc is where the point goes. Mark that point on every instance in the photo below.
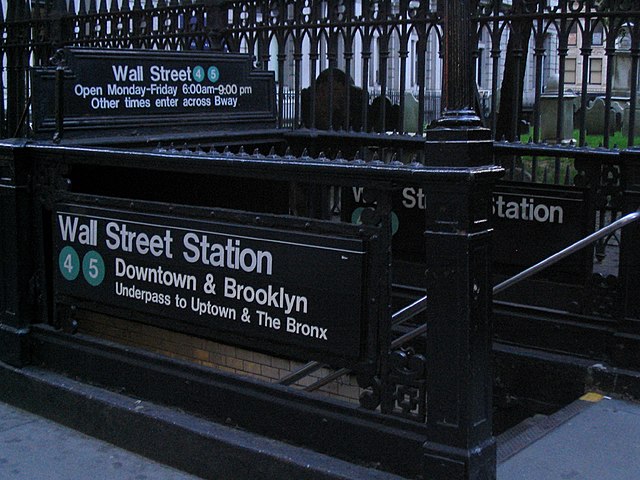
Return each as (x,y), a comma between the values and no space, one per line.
(138,88)
(531,222)
(266,288)
(407,219)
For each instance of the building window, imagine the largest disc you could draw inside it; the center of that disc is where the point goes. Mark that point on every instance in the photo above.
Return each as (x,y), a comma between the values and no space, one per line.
(573,35)
(479,62)
(595,71)
(597,33)
(377,62)
(570,70)
(414,62)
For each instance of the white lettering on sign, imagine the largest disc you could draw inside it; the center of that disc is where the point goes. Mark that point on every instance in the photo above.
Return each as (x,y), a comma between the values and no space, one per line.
(137,102)
(196,102)
(84,92)
(522,209)
(527,209)
(163,89)
(122,73)
(120,85)
(145,296)
(98,103)
(166,102)
(132,90)
(155,275)
(413,197)
(299,328)
(225,101)
(230,255)
(223,278)
(71,230)
(160,73)
(119,237)
(208,308)
(266,320)
(270,296)
(198,89)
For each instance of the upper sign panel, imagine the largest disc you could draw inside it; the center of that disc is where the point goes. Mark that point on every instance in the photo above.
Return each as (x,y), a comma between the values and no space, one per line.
(139,88)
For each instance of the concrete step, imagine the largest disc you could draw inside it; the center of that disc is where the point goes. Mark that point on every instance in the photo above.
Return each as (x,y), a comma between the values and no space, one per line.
(191,444)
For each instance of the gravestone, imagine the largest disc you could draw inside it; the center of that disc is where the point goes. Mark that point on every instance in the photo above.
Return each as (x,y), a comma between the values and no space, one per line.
(621,85)
(391,115)
(411,112)
(621,81)
(625,120)
(331,88)
(549,113)
(595,115)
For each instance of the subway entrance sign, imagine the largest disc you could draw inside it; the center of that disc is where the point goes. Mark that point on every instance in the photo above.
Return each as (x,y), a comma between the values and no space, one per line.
(229,281)
(531,222)
(138,88)
(534,221)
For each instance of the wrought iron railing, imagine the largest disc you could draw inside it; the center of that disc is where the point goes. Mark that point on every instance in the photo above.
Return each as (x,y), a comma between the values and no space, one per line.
(580,59)
(567,68)
(420,305)
(571,249)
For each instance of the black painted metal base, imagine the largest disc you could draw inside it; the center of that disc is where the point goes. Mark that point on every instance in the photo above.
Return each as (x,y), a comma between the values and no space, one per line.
(477,463)
(14,345)
(460,139)
(325,426)
(627,349)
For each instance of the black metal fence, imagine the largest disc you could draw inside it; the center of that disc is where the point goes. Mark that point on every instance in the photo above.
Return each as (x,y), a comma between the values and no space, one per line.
(569,69)
(579,62)
(432,106)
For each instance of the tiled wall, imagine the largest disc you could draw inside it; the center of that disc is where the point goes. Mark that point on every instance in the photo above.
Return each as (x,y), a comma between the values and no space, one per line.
(210,354)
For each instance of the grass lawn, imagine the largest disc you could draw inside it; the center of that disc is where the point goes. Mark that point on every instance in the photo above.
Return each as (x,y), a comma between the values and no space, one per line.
(617,140)
(546,168)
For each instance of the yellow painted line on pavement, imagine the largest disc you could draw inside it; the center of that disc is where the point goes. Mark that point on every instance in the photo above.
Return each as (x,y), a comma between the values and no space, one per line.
(591,397)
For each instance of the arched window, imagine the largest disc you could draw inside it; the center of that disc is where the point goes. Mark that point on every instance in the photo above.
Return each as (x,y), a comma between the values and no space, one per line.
(597,35)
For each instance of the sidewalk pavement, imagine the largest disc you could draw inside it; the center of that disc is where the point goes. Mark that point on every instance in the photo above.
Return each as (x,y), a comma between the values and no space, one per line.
(33,448)
(601,442)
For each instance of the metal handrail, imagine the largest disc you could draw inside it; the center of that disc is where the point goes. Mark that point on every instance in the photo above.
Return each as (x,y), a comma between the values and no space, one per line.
(421,304)
(302,372)
(410,311)
(401,316)
(556,257)
(326,380)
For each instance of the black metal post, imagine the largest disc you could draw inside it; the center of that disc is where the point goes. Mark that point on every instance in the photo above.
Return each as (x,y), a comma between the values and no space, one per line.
(59,100)
(16,262)
(628,335)
(459,120)
(216,22)
(459,445)
(16,65)
(457,94)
